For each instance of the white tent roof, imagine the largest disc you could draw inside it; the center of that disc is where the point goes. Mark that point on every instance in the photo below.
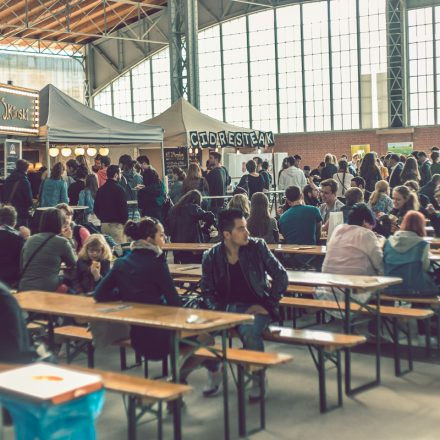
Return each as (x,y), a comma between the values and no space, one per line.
(182,118)
(63,119)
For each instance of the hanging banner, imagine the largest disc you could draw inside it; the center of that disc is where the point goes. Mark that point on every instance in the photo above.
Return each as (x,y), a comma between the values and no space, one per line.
(237,139)
(400,147)
(12,154)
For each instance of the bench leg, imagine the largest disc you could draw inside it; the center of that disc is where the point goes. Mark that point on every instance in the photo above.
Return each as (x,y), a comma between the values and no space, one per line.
(321,376)
(131,416)
(145,367)
(262,377)
(339,376)
(123,358)
(241,401)
(160,421)
(90,355)
(165,367)
(68,356)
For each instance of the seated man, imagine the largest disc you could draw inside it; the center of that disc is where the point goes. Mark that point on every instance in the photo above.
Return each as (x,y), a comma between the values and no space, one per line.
(235,278)
(329,188)
(11,243)
(300,224)
(352,196)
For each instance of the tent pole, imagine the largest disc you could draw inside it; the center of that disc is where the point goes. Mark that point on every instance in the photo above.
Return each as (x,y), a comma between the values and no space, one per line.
(47,156)
(162,152)
(274,184)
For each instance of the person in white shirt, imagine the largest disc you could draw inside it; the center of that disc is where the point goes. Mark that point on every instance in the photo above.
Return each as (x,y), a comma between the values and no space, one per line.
(292,176)
(343,179)
(353,249)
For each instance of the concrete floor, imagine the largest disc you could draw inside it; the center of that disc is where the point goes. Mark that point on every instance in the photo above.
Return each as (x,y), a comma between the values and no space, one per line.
(401,408)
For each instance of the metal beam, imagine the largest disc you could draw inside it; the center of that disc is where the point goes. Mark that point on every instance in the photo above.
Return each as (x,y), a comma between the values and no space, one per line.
(396,63)
(107,59)
(192,52)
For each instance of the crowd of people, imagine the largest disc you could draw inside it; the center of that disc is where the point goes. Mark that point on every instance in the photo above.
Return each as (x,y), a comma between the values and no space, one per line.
(385,203)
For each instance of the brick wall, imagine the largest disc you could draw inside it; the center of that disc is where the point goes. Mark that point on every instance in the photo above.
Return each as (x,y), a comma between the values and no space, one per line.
(312,147)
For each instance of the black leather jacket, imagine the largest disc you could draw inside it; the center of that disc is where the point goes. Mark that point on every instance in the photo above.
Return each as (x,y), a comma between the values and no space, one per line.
(256,261)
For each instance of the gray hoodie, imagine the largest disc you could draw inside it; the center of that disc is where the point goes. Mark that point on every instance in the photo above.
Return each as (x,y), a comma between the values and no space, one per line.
(292,176)
(402,241)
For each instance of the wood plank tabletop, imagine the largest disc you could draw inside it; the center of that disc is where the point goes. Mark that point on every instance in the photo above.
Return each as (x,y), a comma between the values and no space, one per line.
(307,278)
(148,315)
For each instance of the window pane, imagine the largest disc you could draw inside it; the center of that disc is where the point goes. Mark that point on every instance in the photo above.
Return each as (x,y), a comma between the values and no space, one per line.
(316,66)
(103,101)
(236,72)
(262,61)
(210,72)
(142,92)
(122,98)
(161,81)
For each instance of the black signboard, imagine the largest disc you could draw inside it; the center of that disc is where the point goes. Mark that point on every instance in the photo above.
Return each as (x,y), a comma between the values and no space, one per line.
(12,154)
(175,157)
(19,110)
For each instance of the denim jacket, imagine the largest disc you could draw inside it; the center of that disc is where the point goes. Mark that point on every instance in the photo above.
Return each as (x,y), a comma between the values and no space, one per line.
(256,261)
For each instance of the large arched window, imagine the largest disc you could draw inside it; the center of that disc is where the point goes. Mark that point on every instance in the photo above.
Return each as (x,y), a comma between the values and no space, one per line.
(314,66)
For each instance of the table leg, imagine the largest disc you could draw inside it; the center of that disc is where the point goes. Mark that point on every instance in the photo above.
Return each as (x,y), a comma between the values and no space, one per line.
(175,371)
(347,328)
(50,335)
(225,384)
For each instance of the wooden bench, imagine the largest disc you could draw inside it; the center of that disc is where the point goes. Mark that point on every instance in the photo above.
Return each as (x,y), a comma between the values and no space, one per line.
(249,363)
(392,314)
(142,395)
(70,334)
(327,345)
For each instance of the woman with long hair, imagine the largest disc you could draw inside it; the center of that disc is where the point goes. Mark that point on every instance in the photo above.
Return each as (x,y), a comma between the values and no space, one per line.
(44,252)
(343,179)
(87,198)
(184,220)
(406,255)
(152,197)
(177,183)
(410,171)
(380,201)
(370,172)
(194,180)
(241,202)
(404,200)
(260,224)
(54,189)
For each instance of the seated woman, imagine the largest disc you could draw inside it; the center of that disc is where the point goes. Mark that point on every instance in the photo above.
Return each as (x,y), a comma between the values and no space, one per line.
(79,233)
(406,255)
(93,263)
(380,201)
(260,224)
(184,221)
(143,276)
(433,215)
(353,249)
(404,200)
(352,196)
(241,202)
(44,252)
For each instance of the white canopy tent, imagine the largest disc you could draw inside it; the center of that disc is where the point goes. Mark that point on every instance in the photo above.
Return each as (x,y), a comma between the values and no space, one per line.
(182,118)
(65,120)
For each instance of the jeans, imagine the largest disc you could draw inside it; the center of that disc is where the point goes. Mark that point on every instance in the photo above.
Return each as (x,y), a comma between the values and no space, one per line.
(251,335)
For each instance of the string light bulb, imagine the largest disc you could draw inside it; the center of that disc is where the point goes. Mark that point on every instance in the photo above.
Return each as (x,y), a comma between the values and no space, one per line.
(79,151)
(66,152)
(54,152)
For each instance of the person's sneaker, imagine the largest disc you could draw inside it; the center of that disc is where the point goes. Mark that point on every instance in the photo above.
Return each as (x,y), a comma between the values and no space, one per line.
(255,391)
(212,388)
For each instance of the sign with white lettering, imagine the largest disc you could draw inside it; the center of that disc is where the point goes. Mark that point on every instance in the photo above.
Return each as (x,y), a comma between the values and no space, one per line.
(19,111)
(236,139)
(12,154)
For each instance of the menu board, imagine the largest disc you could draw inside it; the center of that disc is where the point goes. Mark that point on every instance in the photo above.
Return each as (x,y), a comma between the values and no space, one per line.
(12,154)
(175,157)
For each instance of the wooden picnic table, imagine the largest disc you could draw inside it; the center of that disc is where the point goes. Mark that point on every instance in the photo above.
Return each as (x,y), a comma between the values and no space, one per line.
(349,285)
(183,323)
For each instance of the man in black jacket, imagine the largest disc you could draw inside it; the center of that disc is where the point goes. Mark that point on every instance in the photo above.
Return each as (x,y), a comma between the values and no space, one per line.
(424,168)
(235,278)
(18,193)
(396,168)
(111,206)
(11,244)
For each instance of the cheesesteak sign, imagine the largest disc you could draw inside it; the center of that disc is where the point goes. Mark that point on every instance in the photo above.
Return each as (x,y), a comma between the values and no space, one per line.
(237,139)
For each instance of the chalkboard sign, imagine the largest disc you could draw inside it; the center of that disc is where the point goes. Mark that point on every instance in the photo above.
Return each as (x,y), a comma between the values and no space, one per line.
(12,154)
(175,157)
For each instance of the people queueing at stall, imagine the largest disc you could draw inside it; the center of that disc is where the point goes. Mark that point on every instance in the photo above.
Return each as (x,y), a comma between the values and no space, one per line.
(128,204)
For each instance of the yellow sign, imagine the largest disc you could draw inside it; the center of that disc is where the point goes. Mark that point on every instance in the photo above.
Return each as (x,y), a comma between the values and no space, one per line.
(360,150)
